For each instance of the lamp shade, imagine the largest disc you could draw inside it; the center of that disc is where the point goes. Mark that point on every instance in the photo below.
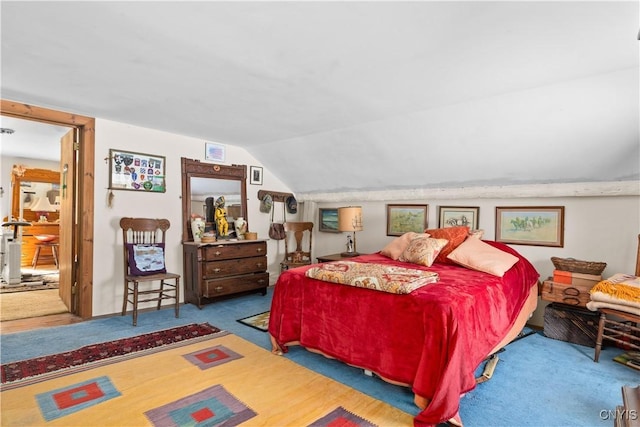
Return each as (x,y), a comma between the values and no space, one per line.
(350,218)
(42,205)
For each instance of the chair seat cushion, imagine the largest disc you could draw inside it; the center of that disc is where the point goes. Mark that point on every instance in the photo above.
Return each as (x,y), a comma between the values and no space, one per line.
(146,259)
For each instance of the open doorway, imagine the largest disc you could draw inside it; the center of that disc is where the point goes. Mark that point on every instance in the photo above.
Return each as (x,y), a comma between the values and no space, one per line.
(75,256)
(30,239)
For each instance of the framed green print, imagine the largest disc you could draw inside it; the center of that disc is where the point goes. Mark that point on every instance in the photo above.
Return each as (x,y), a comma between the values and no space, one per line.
(530,225)
(404,218)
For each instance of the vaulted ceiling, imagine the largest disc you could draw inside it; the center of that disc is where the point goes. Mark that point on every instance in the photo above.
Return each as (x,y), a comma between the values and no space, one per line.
(351,95)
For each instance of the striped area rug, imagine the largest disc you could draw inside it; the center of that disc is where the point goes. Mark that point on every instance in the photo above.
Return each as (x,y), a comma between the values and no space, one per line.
(222,380)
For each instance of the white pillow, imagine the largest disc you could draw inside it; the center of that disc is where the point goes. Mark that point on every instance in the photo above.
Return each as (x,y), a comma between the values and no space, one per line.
(478,255)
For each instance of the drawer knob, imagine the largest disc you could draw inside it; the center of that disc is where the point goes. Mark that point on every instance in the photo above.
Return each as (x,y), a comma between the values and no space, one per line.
(259,264)
(261,281)
(217,253)
(216,270)
(259,250)
(219,288)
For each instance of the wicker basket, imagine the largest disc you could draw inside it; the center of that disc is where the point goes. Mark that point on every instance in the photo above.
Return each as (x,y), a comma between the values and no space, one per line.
(577,266)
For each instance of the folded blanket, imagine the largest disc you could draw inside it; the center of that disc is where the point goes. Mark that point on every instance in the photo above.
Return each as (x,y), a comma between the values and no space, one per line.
(619,292)
(595,305)
(380,277)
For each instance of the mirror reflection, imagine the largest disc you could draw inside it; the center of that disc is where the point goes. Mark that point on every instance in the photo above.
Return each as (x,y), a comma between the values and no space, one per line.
(216,194)
(205,197)
(36,196)
(204,188)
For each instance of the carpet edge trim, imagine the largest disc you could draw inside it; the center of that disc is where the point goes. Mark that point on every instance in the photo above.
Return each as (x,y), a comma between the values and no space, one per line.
(10,385)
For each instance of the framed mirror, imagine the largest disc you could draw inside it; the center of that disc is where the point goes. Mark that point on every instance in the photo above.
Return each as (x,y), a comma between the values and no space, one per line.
(204,182)
(35,194)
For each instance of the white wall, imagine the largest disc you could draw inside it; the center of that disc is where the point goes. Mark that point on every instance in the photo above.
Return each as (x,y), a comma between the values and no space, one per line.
(108,265)
(596,229)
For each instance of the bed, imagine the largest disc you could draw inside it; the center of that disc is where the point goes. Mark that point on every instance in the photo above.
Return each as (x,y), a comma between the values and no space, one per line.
(431,339)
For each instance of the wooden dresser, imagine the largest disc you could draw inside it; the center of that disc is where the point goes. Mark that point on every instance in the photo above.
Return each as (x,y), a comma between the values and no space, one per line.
(29,242)
(224,268)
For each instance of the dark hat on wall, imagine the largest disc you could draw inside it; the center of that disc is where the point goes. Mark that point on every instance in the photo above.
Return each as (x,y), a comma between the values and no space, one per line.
(266,203)
(292,205)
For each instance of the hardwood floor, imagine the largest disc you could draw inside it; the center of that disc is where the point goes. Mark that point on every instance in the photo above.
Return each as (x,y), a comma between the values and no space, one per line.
(21,325)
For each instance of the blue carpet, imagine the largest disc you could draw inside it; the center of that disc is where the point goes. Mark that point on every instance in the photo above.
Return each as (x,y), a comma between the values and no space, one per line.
(537,382)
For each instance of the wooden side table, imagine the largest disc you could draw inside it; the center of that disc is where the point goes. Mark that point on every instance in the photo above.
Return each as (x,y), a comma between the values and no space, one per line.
(333,257)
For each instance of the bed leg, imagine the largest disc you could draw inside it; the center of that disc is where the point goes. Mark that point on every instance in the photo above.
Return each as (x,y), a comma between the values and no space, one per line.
(275,348)
(456,420)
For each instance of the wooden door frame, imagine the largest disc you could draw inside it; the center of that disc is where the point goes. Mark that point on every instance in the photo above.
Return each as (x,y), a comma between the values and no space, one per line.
(85,190)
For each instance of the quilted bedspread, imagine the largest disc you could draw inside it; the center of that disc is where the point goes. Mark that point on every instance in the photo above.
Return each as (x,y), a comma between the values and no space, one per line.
(432,339)
(386,278)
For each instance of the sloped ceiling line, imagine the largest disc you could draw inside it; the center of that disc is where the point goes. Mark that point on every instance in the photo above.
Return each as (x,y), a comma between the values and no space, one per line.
(582,189)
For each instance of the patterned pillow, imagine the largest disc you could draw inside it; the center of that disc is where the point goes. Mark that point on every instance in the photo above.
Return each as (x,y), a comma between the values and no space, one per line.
(423,250)
(394,249)
(455,236)
(145,259)
(478,255)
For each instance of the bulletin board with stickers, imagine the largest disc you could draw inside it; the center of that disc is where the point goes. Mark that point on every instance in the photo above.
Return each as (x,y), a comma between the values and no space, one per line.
(136,171)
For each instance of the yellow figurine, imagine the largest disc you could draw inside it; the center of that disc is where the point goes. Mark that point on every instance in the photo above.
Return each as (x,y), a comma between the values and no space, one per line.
(220,217)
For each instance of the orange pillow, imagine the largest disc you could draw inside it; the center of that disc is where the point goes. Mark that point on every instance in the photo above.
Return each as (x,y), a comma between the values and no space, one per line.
(455,236)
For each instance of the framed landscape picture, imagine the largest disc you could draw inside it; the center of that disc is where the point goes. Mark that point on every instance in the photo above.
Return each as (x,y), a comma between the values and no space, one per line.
(328,219)
(530,225)
(452,216)
(404,218)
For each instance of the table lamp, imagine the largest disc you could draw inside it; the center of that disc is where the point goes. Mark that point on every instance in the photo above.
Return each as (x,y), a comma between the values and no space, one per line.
(350,219)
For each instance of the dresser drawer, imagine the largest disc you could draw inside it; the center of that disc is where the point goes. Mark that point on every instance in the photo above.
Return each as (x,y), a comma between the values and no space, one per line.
(241,250)
(231,285)
(231,267)
(575,295)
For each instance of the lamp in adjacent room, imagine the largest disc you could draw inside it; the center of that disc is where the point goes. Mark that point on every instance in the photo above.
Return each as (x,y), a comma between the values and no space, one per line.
(350,219)
(42,207)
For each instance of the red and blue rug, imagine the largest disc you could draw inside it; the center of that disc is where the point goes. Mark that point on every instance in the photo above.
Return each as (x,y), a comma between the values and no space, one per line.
(108,352)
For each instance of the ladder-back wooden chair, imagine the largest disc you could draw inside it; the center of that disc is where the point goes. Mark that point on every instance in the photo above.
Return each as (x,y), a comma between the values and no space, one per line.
(144,261)
(621,326)
(302,234)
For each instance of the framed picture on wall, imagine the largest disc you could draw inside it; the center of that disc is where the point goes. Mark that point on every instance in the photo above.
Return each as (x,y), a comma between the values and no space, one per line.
(404,218)
(452,216)
(530,225)
(136,171)
(328,220)
(255,175)
(215,152)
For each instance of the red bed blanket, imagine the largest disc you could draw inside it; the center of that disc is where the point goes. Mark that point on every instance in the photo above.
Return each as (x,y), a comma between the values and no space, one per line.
(432,339)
